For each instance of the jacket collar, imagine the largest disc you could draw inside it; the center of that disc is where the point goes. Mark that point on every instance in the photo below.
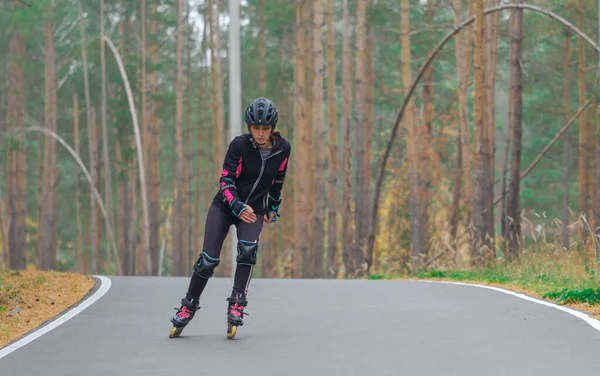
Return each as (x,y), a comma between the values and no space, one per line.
(277,144)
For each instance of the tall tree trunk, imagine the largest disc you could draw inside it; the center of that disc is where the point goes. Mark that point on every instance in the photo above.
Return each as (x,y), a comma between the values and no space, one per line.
(585,146)
(47,238)
(226,259)
(52,156)
(505,220)
(105,139)
(312,253)
(93,211)
(132,194)
(481,244)
(359,130)
(417,245)
(122,209)
(123,222)
(3,232)
(286,231)
(492,33)
(203,154)
(87,256)
(218,110)
(583,129)
(153,149)
(178,250)
(187,149)
(144,127)
(94,168)
(209,129)
(217,134)
(262,51)
(318,117)
(594,256)
(463,57)
(41,181)
(456,189)
(567,143)
(125,247)
(348,228)
(301,152)
(427,166)
(333,142)
(145,136)
(3,93)
(369,133)
(267,236)
(463,164)
(516,124)
(16,183)
(507,150)
(82,266)
(142,265)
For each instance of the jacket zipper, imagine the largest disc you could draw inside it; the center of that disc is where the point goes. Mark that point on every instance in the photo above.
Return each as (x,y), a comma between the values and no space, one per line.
(262,168)
(277,152)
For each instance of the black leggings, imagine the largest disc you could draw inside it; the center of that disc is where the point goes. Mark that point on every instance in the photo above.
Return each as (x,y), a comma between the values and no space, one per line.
(216,229)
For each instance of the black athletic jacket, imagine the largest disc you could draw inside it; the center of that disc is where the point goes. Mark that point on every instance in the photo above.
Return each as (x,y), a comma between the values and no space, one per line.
(250,179)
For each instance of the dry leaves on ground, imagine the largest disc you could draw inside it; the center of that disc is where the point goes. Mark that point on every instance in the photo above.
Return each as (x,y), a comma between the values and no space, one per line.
(28,298)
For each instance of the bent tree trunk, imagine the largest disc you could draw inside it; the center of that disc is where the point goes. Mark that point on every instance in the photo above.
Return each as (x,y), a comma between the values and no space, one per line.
(89,178)
(139,155)
(428,61)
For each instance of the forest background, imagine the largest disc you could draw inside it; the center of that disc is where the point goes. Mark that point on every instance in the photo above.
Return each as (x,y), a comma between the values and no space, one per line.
(494,161)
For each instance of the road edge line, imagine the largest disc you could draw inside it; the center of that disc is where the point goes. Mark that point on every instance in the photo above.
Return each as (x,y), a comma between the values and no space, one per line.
(105,284)
(594,323)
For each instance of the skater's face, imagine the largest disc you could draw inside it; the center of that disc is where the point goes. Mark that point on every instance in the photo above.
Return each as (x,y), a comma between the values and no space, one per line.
(260,133)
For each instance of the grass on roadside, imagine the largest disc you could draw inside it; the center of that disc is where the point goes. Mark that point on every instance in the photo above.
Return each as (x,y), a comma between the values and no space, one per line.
(558,277)
(28,298)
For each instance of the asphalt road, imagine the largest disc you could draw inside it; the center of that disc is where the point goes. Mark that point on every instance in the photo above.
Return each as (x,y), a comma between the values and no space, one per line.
(314,327)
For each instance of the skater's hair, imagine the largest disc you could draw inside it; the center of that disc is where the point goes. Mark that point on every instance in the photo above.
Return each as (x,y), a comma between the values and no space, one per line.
(274,133)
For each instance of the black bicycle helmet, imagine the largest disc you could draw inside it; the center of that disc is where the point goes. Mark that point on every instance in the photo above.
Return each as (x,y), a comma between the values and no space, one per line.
(261,111)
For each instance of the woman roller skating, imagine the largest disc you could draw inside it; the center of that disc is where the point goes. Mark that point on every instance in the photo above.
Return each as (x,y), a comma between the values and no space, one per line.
(249,195)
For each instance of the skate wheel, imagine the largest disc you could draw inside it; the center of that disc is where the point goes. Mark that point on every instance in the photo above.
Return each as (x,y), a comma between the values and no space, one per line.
(175,332)
(231,331)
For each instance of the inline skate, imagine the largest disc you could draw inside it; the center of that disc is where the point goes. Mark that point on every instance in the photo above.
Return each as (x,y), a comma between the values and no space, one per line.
(184,315)
(235,313)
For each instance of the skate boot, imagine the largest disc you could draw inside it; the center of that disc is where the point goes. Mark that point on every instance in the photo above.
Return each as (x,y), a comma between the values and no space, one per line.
(184,315)
(235,313)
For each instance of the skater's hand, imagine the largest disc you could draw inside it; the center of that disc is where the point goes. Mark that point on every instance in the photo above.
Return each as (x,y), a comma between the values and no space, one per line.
(248,215)
(268,218)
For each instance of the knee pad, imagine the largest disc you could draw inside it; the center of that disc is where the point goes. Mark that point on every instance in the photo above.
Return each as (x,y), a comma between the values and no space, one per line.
(247,252)
(205,266)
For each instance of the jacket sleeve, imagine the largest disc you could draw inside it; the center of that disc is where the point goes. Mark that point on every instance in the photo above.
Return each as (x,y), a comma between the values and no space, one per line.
(275,192)
(232,167)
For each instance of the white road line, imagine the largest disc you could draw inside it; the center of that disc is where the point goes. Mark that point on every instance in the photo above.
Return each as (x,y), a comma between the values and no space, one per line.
(591,321)
(105,284)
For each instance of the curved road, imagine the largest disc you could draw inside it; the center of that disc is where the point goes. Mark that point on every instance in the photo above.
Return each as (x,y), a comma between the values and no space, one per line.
(314,327)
